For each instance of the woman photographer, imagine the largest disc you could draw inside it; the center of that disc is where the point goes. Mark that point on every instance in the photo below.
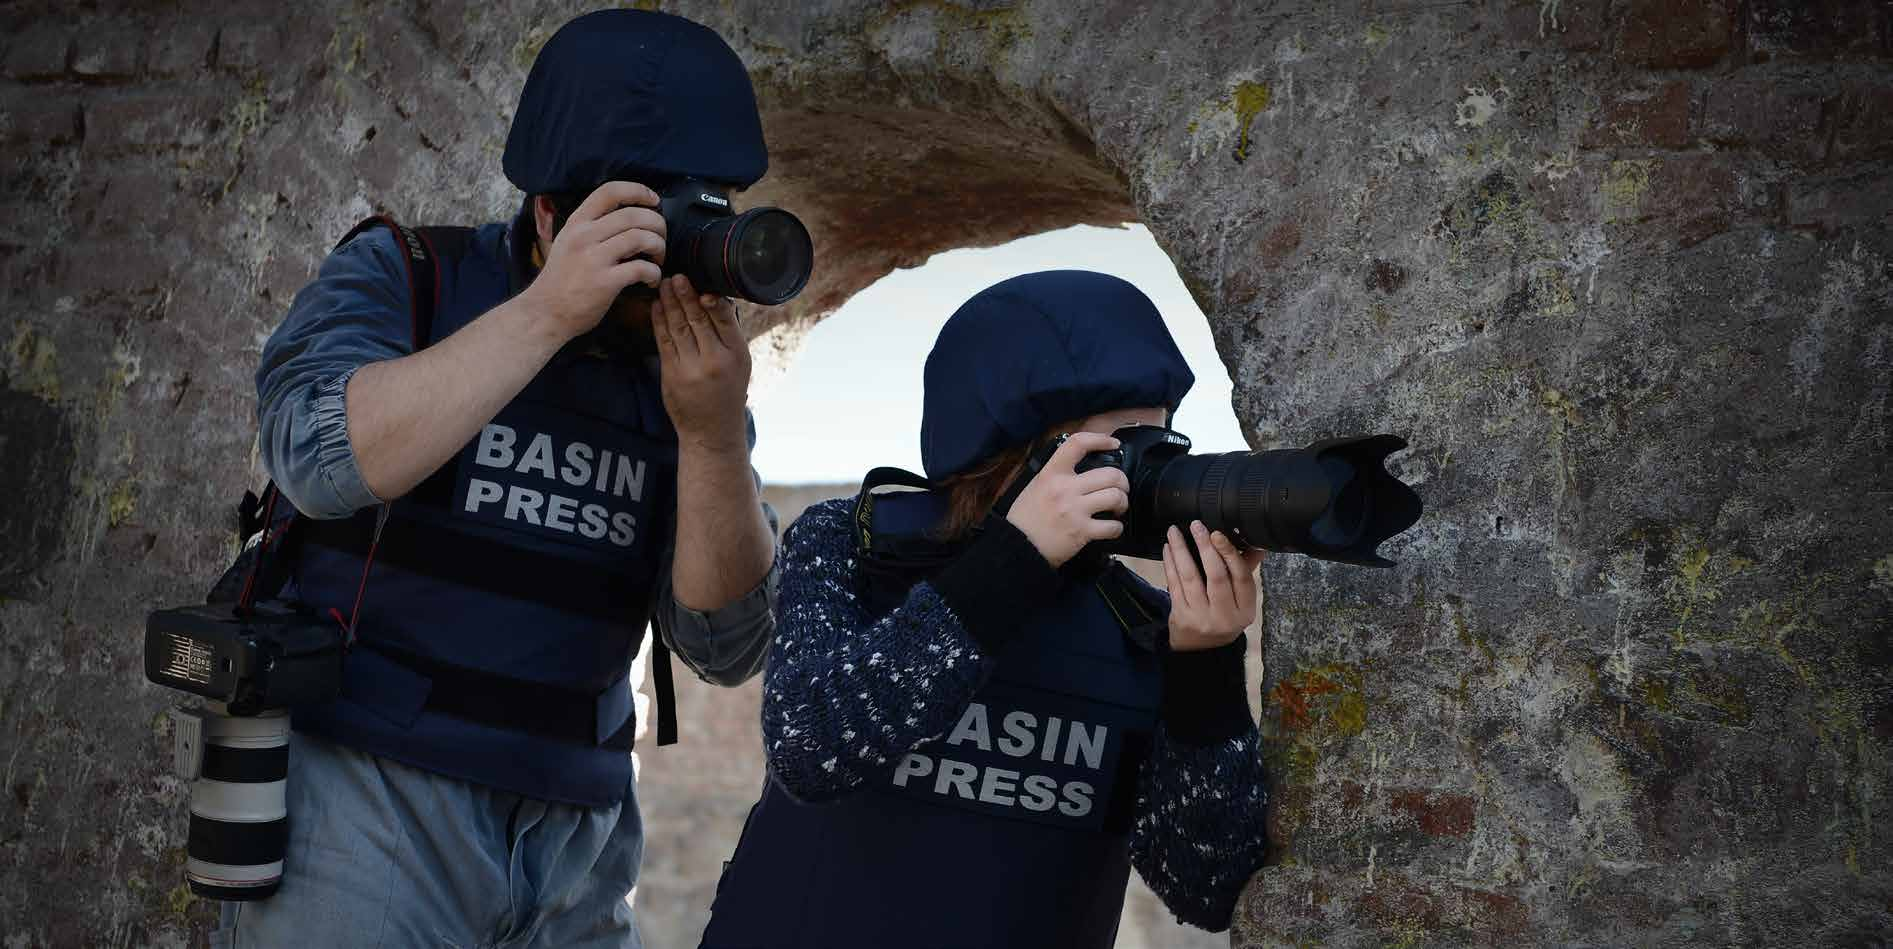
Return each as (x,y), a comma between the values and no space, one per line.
(975,722)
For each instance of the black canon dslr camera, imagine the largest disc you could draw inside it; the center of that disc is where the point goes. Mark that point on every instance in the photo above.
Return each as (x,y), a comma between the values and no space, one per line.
(763,255)
(1333,500)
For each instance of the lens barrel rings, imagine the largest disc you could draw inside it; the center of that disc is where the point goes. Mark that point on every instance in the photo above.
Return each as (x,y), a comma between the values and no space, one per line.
(239,808)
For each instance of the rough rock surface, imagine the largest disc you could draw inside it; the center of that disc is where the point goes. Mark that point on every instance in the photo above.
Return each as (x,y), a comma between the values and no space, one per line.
(1618,268)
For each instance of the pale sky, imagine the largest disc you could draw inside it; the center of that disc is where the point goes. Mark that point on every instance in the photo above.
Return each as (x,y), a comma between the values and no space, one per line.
(850,398)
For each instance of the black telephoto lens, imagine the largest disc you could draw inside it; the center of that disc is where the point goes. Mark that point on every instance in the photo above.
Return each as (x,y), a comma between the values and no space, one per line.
(1333,500)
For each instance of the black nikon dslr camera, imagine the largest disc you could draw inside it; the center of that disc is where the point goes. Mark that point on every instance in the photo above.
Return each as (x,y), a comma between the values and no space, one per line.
(253,660)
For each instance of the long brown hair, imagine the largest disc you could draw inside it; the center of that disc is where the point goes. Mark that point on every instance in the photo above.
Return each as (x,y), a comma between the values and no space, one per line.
(971,494)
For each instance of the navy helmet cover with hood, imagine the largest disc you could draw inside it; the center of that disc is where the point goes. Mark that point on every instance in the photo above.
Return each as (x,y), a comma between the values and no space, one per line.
(634,95)
(1038,350)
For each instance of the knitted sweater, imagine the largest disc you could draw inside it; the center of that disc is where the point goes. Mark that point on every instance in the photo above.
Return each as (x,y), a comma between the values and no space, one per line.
(847,694)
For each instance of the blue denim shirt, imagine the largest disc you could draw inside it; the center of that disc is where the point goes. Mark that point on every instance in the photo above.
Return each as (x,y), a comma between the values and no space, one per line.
(356,312)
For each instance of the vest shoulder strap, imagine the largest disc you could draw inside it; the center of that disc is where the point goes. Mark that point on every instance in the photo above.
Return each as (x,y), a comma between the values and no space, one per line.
(424,250)
(864,502)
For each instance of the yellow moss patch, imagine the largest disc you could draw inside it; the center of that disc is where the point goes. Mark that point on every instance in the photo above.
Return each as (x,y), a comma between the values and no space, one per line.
(1624,188)
(121,505)
(35,362)
(1248,101)
(1656,695)
(1560,406)
(179,900)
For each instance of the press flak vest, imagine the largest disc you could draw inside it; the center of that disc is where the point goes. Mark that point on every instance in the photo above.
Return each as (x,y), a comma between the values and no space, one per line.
(1011,830)
(510,590)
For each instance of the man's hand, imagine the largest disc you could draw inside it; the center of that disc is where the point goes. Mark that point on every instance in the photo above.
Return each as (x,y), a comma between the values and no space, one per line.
(703,365)
(1055,510)
(614,239)
(1210,608)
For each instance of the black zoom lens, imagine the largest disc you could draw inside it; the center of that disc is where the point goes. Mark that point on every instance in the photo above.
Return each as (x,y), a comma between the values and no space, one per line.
(762,255)
(1333,500)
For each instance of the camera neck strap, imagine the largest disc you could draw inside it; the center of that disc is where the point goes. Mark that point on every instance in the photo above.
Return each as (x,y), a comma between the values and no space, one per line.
(368,563)
(247,598)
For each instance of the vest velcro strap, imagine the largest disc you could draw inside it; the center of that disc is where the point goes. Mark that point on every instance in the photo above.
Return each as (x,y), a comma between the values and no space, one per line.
(489,698)
(481,563)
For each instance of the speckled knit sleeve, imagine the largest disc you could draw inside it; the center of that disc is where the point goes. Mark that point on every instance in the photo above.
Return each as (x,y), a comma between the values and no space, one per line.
(1200,831)
(845,694)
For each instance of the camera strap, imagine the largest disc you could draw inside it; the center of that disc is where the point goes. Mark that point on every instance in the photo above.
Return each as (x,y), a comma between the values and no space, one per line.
(246,522)
(368,563)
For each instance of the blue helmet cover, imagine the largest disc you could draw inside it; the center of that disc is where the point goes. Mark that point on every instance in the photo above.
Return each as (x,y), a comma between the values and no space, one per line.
(1038,350)
(629,94)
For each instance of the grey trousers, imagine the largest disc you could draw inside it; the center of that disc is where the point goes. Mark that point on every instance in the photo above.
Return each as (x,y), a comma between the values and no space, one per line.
(384,855)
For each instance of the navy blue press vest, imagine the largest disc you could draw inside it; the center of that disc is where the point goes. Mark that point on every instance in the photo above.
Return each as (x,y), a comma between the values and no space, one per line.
(1011,830)
(526,563)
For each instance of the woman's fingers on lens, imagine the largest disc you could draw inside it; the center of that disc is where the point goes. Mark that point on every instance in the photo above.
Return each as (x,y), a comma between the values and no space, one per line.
(1186,567)
(1241,582)
(1185,586)
(1215,574)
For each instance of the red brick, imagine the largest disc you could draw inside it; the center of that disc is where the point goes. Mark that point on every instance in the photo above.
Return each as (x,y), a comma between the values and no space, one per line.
(1438,814)
(108,52)
(1698,196)
(1766,112)
(1676,34)
(1863,125)
(1652,118)
(40,119)
(1812,29)
(40,53)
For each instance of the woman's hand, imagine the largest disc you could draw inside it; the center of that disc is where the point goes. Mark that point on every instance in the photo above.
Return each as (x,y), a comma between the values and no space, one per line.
(1055,510)
(1213,607)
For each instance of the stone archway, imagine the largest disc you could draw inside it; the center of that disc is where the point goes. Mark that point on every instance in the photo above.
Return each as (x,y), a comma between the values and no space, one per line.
(1619,268)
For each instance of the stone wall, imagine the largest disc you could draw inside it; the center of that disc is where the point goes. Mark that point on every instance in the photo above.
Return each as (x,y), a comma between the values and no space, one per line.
(1618,268)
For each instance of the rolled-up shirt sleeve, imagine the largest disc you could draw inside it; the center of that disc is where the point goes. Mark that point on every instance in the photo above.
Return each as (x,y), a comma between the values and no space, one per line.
(355,312)
(724,646)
